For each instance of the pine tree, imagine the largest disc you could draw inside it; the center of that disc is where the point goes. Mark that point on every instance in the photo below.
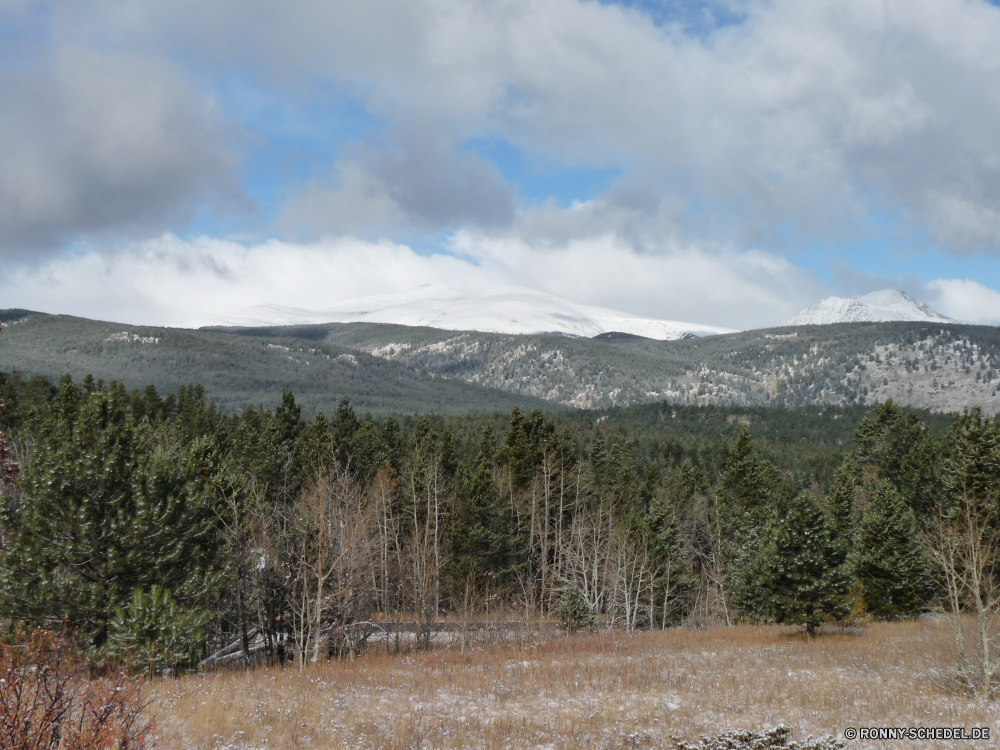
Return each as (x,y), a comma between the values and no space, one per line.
(887,558)
(102,516)
(803,567)
(486,549)
(152,633)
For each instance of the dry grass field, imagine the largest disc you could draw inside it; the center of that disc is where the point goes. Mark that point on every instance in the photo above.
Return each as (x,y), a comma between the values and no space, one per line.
(606,690)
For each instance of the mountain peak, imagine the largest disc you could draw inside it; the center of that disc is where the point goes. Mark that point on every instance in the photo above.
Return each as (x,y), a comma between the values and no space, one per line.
(874,307)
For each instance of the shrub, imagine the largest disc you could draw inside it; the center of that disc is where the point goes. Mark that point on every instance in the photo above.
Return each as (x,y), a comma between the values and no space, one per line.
(574,611)
(48,701)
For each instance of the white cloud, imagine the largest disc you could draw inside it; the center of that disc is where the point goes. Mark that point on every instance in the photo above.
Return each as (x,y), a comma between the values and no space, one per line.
(699,284)
(91,142)
(792,123)
(172,282)
(965,300)
(798,117)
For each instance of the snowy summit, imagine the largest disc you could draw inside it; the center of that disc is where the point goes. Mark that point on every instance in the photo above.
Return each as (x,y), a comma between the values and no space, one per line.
(876,307)
(497,310)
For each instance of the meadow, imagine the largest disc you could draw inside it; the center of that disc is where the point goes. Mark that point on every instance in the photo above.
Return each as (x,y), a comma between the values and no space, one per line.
(606,690)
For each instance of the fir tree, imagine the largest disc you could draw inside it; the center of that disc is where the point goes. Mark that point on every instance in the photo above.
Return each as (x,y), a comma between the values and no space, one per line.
(803,567)
(748,480)
(666,548)
(520,451)
(9,468)
(342,428)
(372,447)
(846,483)
(745,505)
(574,611)
(316,447)
(887,558)
(903,449)
(972,464)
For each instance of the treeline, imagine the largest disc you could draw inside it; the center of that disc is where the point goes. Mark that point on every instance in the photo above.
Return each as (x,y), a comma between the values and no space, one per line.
(164,530)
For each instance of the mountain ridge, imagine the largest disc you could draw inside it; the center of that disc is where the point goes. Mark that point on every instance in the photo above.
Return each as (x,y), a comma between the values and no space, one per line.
(394,369)
(503,309)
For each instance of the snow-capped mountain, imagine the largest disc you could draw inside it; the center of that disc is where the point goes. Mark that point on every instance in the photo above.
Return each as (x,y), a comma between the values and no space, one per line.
(884,305)
(497,310)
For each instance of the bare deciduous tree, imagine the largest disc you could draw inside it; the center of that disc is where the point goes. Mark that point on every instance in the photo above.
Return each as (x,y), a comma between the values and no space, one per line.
(965,546)
(335,529)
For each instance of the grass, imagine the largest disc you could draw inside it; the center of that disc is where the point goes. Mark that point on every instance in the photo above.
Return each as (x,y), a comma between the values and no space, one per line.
(601,690)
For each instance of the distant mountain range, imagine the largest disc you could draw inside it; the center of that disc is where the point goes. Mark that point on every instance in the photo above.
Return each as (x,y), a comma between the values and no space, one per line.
(877,307)
(516,310)
(507,309)
(396,369)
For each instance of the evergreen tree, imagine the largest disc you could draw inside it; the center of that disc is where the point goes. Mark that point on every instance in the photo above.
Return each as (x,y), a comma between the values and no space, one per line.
(521,451)
(486,549)
(289,417)
(887,558)
(152,633)
(846,483)
(575,613)
(342,428)
(971,467)
(904,451)
(748,480)
(316,448)
(254,446)
(101,517)
(747,494)
(373,446)
(9,468)
(803,567)
(667,554)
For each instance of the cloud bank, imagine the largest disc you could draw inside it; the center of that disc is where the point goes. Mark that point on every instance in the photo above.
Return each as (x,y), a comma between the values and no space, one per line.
(729,148)
(168,281)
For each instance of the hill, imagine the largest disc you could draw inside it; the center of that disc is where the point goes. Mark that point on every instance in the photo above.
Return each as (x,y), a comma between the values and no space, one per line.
(939,367)
(401,369)
(237,371)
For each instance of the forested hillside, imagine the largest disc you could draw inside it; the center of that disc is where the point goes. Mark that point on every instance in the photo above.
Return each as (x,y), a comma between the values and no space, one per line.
(165,529)
(236,371)
(938,367)
(389,369)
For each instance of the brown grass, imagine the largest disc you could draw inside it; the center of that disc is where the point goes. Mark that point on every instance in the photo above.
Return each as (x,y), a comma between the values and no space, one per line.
(609,690)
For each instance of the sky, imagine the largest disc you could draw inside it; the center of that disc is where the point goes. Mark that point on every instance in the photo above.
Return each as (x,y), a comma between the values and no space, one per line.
(724,162)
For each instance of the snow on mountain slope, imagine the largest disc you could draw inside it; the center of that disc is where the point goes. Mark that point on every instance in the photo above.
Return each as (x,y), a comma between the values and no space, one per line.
(884,305)
(497,310)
